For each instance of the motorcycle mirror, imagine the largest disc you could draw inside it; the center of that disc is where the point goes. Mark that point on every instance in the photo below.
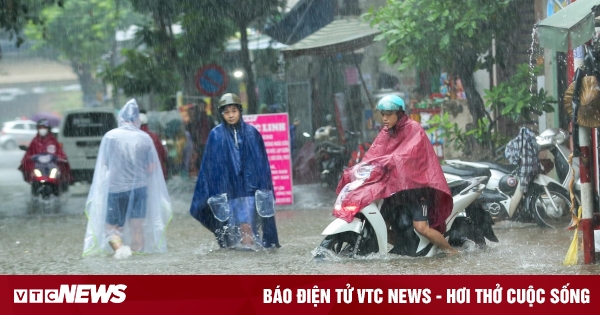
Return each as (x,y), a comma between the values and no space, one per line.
(23,147)
(306,134)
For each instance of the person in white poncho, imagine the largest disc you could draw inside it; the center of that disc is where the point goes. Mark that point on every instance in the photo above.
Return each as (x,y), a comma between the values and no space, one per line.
(128,206)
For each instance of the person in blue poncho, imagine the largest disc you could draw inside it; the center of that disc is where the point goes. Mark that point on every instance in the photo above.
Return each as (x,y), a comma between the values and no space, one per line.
(234,196)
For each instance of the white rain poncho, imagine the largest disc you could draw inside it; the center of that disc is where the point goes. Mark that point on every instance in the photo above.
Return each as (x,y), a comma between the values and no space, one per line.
(127,161)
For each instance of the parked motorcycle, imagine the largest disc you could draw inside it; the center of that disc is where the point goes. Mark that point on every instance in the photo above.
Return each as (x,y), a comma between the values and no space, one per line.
(368,231)
(333,157)
(553,140)
(547,201)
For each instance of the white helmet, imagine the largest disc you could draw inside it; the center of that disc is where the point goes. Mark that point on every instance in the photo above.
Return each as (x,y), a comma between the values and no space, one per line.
(143,119)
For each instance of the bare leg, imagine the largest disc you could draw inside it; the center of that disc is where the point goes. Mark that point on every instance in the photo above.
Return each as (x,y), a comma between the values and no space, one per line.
(114,236)
(246,231)
(391,236)
(137,234)
(434,236)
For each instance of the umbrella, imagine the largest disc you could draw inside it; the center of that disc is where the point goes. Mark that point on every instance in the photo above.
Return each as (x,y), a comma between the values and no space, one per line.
(52,118)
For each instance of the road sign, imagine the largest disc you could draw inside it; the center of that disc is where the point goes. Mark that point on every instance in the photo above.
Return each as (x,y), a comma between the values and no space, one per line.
(211,80)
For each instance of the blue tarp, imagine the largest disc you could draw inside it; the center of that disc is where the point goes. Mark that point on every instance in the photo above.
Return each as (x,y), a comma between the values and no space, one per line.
(307,17)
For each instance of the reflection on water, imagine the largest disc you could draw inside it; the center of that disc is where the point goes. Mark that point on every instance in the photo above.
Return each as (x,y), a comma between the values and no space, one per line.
(52,244)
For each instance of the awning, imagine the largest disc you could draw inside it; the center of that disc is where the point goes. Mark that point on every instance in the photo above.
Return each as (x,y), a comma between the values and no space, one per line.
(255,42)
(575,23)
(339,36)
(303,18)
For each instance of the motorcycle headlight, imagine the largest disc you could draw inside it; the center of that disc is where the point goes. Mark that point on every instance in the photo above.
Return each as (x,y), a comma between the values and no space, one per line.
(561,136)
(53,173)
(554,135)
(37,173)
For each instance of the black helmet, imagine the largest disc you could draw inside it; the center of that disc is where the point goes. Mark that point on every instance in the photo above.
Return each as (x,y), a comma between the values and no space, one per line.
(43,123)
(229,99)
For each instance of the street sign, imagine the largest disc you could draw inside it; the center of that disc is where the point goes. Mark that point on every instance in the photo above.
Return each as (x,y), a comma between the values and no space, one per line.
(211,80)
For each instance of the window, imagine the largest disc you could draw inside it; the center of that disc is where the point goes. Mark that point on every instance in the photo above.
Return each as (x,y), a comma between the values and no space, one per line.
(89,124)
(19,127)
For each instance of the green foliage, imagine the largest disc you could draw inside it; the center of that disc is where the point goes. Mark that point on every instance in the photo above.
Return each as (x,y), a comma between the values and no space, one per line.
(15,14)
(82,31)
(142,74)
(450,131)
(416,29)
(514,99)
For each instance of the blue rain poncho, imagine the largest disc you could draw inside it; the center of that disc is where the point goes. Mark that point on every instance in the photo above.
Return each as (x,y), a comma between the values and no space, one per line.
(235,174)
(127,160)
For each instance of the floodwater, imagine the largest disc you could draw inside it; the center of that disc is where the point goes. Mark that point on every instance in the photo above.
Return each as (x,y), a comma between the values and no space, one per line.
(53,244)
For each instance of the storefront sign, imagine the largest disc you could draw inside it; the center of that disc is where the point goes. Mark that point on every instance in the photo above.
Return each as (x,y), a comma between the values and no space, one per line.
(275,131)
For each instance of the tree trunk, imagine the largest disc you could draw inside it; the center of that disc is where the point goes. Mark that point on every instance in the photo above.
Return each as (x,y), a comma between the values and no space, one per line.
(249,75)
(463,67)
(86,80)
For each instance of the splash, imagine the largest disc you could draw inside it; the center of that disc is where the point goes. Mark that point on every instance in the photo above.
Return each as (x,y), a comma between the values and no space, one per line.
(531,64)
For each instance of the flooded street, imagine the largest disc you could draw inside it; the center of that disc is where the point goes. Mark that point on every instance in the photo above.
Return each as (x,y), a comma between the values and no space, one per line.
(53,244)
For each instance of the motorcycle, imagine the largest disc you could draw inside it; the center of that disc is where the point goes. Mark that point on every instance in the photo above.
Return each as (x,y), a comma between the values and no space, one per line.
(333,158)
(368,232)
(46,184)
(547,201)
(553,140)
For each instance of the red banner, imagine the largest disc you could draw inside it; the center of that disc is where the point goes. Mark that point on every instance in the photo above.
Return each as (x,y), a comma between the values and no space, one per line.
(299,294)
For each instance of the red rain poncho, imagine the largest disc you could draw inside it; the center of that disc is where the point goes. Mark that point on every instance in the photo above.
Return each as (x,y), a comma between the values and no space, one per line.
(39,145)
(403,159)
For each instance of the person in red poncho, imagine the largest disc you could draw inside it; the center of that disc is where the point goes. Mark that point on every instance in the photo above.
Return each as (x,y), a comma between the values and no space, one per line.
(160,149)
(44,142)
(410,173)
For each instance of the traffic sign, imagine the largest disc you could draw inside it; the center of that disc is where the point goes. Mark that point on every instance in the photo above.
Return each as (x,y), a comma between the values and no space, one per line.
(211,80)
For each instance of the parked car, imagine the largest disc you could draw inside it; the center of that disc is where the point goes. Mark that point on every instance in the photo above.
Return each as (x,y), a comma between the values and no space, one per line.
(16,133)
(80,134)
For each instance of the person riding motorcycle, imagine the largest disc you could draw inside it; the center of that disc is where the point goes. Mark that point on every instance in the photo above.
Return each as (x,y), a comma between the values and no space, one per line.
(411,175)
(45,142)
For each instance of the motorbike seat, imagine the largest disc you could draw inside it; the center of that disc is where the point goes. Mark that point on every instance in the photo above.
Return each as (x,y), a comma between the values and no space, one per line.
(504,168)
(466,172)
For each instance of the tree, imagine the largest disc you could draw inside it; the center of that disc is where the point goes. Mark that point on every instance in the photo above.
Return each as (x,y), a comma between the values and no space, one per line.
(512,100)
(82,32)
(243,13)
(443,34)
(163,61)
(15,14)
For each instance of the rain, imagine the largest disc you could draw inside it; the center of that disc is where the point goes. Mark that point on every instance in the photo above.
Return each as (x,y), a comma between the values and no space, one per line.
(309,75)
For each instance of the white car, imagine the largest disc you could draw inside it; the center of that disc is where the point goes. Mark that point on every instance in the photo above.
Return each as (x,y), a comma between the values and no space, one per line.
(80,134)
(17,132)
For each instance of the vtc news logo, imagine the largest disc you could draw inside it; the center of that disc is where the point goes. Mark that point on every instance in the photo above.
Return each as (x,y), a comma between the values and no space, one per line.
(74,293)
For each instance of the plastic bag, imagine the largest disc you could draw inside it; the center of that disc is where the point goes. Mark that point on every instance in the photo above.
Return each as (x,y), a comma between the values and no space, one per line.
(360,173)
(265,203)
(220,207)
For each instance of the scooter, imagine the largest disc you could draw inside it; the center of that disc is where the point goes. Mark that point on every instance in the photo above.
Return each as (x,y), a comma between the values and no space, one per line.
(553,140)
(368,232)
(546,201)
(46,184)
(332,157)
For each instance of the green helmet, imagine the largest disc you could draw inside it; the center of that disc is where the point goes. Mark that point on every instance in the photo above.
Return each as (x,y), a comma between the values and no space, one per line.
(391,102)
(229,99)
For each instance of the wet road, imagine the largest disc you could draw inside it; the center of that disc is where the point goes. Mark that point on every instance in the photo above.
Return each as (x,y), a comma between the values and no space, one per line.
(52,244)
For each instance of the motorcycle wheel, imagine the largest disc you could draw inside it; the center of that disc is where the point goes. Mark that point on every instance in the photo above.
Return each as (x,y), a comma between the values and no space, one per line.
(344,244)
(544,212)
